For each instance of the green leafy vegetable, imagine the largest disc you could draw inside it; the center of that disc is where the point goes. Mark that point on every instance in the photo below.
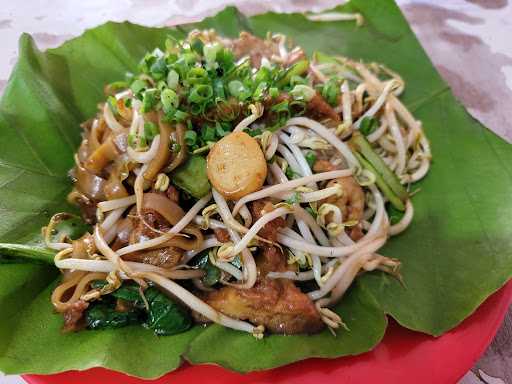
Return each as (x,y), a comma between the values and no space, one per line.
(212,273)
(127,291)
(191,177)
(165,317)
(103,316)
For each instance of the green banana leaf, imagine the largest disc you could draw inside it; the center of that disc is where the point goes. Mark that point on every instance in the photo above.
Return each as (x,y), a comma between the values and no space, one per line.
(455,254)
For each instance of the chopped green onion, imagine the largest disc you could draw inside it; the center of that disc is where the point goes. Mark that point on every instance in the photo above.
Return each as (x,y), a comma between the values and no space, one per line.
(180,115)
(297,69)
(197,109)
(208,133)
(170,100)
(330,91)
(128,77)
(236,88)
(263,75)
(190,137)
(200,93)
(210,54)
(181,67)
(226,60)
(146,62)
(173,79)
(149,99)
(218,89)
(259,91)
(303,91)
(242,70)
(161,85)
(294,80)
(197,75)
(138,86)
(220,131)
(189,58)
(283,106)
(171,58)
(297,107)
(159,69)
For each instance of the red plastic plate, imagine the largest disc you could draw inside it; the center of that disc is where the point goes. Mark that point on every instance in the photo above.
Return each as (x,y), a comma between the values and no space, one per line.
(401,357)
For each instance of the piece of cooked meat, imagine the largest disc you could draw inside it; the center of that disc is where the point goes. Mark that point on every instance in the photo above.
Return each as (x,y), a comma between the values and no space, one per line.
(173,194)
(258,208)
(254,47)
(73,317)
(88,210)
(222,235)
(165,257)
(319,108)
(275,303)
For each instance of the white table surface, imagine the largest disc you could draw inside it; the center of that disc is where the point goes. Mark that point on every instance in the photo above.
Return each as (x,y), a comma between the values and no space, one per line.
(468,42)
